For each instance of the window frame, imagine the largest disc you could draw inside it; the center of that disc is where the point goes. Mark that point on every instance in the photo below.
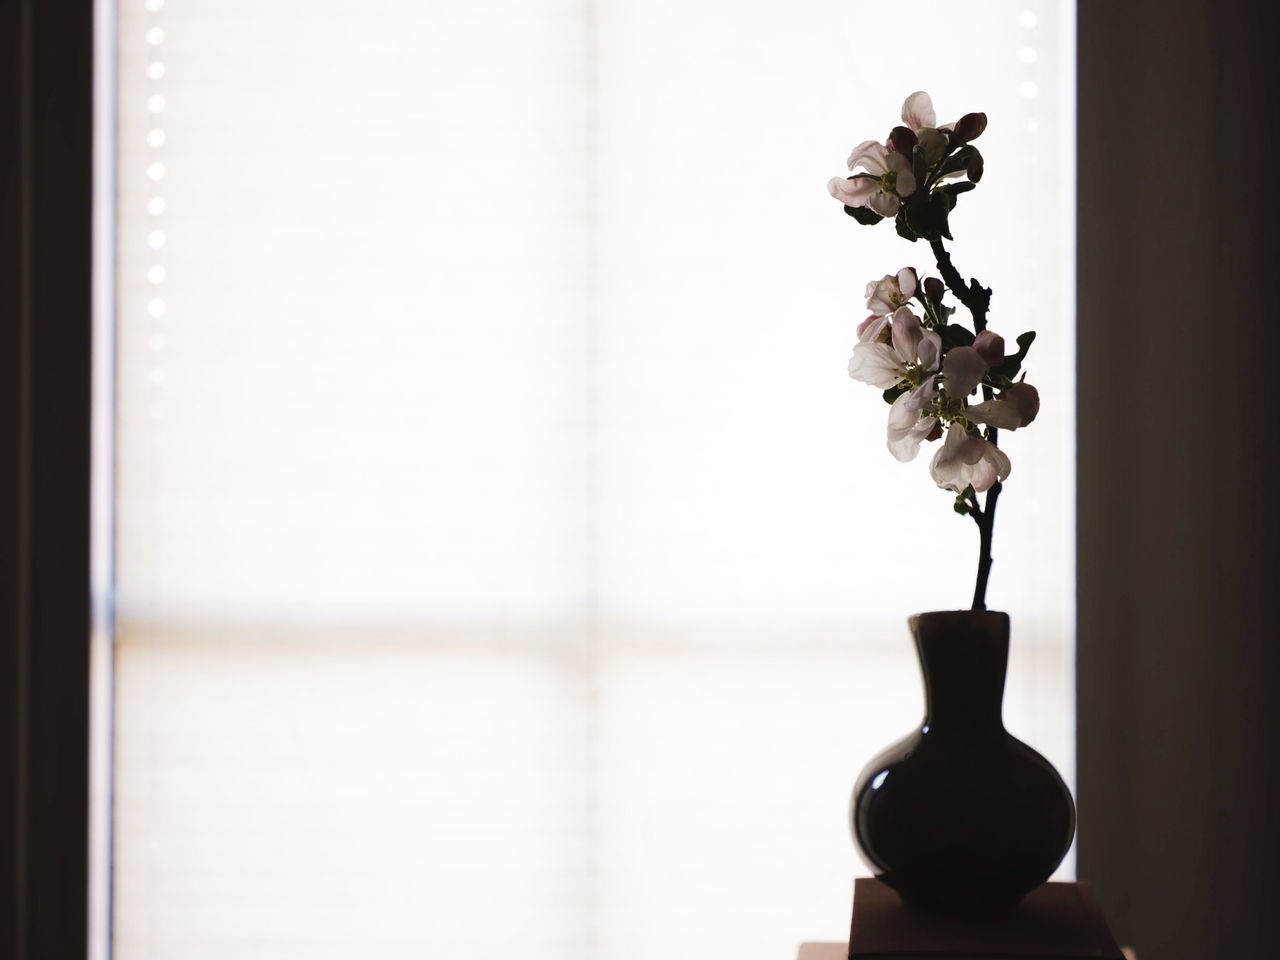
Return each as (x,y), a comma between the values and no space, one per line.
(46,277)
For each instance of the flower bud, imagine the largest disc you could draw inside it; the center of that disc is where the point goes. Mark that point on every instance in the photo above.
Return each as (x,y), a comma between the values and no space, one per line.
(970,127)
(933,143)
(902,140)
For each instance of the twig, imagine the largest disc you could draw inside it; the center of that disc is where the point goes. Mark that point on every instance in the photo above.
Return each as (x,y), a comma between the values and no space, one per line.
(977,299)
(973,295)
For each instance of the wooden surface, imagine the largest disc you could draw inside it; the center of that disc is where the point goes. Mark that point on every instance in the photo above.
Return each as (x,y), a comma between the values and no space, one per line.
(1056,919)
(839,951)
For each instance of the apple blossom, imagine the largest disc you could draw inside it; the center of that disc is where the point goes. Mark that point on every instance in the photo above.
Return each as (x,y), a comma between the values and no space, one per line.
(910,421)
(968,461)
(911,352)
(1015,408)
(917,111)
(874,328)
(963,369)
(990,347)
(887,295)
(891,179)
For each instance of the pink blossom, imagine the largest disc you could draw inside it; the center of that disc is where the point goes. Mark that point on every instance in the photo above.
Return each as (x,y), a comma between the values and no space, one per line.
(883,192)
(917,112)
(965,460)
(1016,407)
(887,295)
(910,423)
(912,351)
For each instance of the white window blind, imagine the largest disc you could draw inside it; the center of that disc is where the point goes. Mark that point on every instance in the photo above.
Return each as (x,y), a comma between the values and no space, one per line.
(504,561)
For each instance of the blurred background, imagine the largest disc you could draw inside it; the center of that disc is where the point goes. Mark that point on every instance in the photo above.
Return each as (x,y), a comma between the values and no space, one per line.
(502,551)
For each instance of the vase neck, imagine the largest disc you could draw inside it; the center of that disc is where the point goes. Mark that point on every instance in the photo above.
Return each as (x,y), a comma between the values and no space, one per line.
(963,657)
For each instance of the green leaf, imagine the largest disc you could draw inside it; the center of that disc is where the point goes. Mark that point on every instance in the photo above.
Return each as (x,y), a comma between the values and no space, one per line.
(893,393)
(1024,344)
(919,165)
(904,230)
(956,187)
(927,216)
(864,215)
(1003,375)
(957,161)
(974,166)
(954,335)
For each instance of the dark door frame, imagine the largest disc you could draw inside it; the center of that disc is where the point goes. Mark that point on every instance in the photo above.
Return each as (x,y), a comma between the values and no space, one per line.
(46,149)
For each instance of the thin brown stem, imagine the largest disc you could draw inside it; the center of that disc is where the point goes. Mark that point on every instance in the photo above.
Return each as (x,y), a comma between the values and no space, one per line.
(973,295)
(977,299)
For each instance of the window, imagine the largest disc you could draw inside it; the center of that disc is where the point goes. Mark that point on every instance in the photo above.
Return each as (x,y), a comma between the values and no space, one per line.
(501,555)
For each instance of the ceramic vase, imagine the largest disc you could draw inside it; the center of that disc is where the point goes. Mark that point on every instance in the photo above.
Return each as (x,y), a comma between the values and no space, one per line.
(960,816)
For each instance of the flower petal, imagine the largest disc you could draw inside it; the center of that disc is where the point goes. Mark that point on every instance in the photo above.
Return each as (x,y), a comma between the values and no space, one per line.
(923,395)
(871,155)
(907,429)
(852,193)
(991,347)
(1026,398)
(871,328)
(885,204)
(995,413)
(917,111)
(1016,408)
(876,364)
(907,331)
(907,282)
(999,460)
(946,468)
(930,350)
(965,460)
(880,294)
(963,370)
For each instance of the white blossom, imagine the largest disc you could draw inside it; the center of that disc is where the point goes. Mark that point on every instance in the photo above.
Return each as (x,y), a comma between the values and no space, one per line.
(909,424)
(964,460)
(962,371)
(1016,407)
(911,351)
(893,179)
(990,347)
(917,112)
(887,295)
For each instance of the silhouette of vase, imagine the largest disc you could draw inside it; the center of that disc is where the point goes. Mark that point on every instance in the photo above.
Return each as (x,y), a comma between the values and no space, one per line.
(961,816)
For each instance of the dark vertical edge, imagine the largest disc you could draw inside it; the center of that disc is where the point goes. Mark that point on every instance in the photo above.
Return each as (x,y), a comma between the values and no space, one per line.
(1178,524)
(1245,762)
(62,298)
(1103,617)
(13,315)
(48,308)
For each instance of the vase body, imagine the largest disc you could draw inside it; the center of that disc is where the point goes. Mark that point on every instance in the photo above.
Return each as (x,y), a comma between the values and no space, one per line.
(961,816)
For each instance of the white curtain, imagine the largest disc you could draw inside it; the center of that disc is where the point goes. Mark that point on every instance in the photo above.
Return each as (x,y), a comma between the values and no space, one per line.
(505,562)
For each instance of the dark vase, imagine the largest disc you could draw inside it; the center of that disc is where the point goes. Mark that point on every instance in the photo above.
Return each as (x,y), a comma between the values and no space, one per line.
(961,816)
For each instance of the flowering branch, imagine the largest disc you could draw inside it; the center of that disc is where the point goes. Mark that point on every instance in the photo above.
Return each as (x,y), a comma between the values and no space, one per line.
(977,299)
(928,369)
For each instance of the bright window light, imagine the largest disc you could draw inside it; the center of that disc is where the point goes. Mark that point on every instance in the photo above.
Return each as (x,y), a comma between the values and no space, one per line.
(504,560)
